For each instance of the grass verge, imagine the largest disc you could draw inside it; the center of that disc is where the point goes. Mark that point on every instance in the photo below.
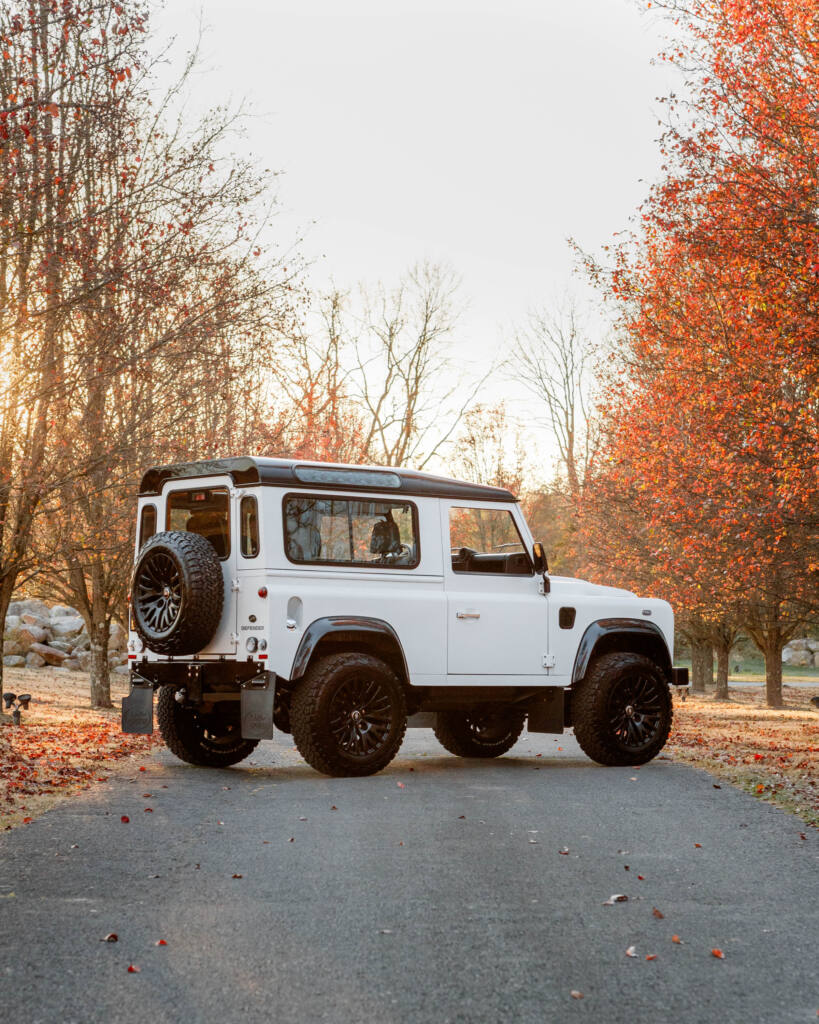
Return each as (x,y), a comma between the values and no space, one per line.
(770,753)
(62,746)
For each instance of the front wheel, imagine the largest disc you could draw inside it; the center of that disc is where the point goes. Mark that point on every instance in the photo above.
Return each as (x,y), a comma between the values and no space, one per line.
(211,740)
(622,710)
(486,732)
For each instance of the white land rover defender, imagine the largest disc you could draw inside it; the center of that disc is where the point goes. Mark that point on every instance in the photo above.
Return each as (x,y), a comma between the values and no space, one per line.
(343,603)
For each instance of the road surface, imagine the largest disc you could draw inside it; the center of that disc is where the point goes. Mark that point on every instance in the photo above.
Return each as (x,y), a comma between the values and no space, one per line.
(436,891)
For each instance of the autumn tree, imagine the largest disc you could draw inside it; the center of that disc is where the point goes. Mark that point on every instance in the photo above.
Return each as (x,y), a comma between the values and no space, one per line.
(716,408)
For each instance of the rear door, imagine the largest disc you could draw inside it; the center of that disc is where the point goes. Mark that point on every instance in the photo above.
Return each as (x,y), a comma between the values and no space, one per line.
(209,510)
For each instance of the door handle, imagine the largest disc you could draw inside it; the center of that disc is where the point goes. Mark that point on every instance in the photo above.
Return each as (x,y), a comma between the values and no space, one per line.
(467,615)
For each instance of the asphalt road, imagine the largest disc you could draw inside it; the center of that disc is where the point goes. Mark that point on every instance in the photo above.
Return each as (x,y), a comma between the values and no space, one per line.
(435,891)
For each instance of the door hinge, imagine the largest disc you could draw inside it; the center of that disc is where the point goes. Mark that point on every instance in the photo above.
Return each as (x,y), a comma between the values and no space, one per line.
(541,586)
(234,586)
(234,639)
(548,661)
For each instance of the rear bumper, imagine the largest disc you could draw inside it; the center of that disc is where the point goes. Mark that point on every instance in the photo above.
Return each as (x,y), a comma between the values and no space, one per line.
(679,677)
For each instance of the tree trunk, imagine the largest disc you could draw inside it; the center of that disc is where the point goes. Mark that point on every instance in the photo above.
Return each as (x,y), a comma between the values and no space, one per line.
(702,664)
(100,672)
(6,590)
(773,669)
(723,662)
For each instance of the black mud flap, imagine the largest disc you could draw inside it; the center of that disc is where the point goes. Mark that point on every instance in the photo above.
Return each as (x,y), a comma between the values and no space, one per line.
(138,710)
(257,707)
(546,711)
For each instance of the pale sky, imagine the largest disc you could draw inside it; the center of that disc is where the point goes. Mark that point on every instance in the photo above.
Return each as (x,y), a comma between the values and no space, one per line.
(479,133)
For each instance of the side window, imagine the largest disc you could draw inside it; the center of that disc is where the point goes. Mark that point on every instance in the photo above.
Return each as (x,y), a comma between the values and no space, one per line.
(249,519)
(204,512)
(487,540)
(147,523)
(346,531)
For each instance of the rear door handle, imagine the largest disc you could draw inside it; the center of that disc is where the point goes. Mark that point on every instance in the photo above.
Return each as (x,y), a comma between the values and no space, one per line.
(467,615)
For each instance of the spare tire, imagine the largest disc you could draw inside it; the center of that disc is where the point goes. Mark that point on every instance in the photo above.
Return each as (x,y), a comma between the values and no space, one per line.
(177,593)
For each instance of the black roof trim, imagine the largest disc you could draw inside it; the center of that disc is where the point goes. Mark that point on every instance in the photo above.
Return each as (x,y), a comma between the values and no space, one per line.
(248,470)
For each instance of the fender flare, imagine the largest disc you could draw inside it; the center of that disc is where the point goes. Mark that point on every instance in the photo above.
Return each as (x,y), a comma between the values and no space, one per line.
(606,627)
(353,625)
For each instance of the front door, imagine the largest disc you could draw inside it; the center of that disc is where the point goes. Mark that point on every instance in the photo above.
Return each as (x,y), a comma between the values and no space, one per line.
(497,625)
(209,510)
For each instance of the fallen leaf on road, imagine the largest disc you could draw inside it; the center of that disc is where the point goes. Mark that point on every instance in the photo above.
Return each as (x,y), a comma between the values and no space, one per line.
(143,768)
(110,937)
(759,787)
(575,994)
(632,952)
(461,817)
(718,954)
(657,913)
(400,785)
(618,897)
(802,835)
(385,931)
(149,810)
(125,819)
(651,956)
(564,851)
(133,969)
(292,839)
(160,942)
(237,876)
(302,819)
(641,878)
(716,786)
(334,808)
(676,939)
(27,821)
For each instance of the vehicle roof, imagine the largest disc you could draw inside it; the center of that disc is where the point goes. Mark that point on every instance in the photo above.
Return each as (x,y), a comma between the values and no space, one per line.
(249,470)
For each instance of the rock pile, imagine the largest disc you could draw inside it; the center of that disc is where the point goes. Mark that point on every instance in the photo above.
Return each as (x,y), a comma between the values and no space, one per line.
(36,635)
(802,653)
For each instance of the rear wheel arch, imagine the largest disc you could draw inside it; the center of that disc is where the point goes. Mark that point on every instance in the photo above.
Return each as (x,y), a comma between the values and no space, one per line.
(354,633)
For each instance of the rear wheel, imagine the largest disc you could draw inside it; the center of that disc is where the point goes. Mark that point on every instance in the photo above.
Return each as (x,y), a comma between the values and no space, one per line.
(213,740)
(622,710)
(479,732)
(348,715)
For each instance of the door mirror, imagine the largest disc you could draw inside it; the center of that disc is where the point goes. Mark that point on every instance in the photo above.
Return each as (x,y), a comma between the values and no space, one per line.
(539,558)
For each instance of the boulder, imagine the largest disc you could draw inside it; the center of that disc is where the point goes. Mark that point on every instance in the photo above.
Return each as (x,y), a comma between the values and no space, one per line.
(62,611)
(30,619)
(797,658)
(14,661)
(71,664)
(83,642)
(12,623)
(61,645)
(28,635)
(118,638)
(49,654)
(800,644)
(813,645)
(67,626)
(83,659)
(13,647)
(31,606)
(33,660)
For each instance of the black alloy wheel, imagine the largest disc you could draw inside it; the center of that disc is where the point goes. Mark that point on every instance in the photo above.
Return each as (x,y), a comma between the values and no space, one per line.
(158,591)
(621,709)
(487,731)
(210,739)
(359,715)
(635,711)
(348,714)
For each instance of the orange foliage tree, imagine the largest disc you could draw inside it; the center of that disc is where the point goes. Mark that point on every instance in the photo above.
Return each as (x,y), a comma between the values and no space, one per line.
(713,428)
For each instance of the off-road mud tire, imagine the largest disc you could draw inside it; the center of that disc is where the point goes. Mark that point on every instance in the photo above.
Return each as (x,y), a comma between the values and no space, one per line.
(325,734)
(595,701)
(194,577)
(185,732)
(469,734)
